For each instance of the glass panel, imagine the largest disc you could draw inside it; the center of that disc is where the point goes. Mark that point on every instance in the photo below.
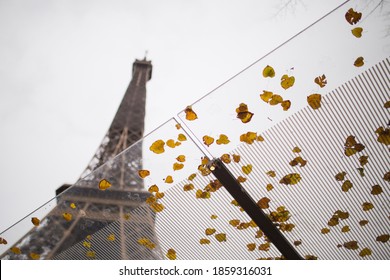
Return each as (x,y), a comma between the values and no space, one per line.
(327,216)
(129,209)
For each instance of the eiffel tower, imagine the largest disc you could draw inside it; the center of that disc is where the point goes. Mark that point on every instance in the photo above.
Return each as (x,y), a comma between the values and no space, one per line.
(104,224)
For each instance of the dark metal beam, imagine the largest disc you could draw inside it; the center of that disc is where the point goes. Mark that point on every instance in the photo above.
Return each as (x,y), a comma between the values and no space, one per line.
(249,205)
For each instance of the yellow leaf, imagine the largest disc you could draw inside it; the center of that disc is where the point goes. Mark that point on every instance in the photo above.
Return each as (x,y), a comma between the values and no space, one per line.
(286,227)
(73,206)
(376,190)
(160,195)
(188,187)
(104,184)
(264,247)
(234,202)
(157,147)
(236,158)
(204,241)
(67,216)
(350,152)
(287,82)
(286,104)
(266,96)
(247,169)
(241,179)
(269,187)
(325,230)
(177,166)
(351,245)
(181,158)
(334,221)
(363,223)
(35,256)
(383,238)
(314,100)
(311,257)
(89,237)
(340,176)
(248,137)
(35,221)
(251,246)
(345,229)
(357,32)
(3,241)
(365,252)
(383,135)
(260,138)
(297,242)
(111,237)
(352,16)
(386,177)
(243,113)
(234,222)
(226,158)
(363,160)
(169,179)
(350,141)
(171,143)
(291,179)
(387,104)
(157,207)
(259,234)
(190,114)
(359,62)
(321,81)
(342,215)
(192,176)
(213,217)
(126,216)
(367,206)
(90,254)
(171,254)
(347,185)
(275,100)
(208,140)
(16,250)
(202,194)
(178,126)
(221,237)
(268,71)
(263,203)
(271,173)
(181,137)
(153,188)
(210,231)
(143,173)
(223,139)
(298,160)
(296,150)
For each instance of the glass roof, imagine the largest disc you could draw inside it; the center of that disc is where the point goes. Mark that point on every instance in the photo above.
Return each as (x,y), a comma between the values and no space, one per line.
(304,130)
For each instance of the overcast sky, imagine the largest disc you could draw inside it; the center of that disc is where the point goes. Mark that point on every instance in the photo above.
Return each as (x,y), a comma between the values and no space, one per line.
(65,65)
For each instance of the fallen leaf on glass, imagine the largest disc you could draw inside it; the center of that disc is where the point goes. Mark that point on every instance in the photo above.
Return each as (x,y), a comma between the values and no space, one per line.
(287,81)
(171,254)
(387,104)
(35,221)
(363,160)
(383,135)
(271,173)
(210,231)
(264,247)
(347,185)
(181,158)
(365,252)
(263,203)
(351,245)
(268,71)
(275,100)
(247,169)
(3,241)
(236,158)
(157,147)
(157,207)
(367,206)
(352,16)
(269,187)
(188,187)
(181,137)
(340,176)
(213,217)
(192,176)
(202,194)
(386,177)
(177,166)
(35,256)
(259,234)
(383,238)
(345,229)
(251,246)
(241,179)
(376,190)
(160,195)
(321,81)
(221,237)
(178,126)
(243,113)
(190,114)
(169,179)
(204,241)
(248,137)
(171,143)
(286,104)
(111,237)
(208,140)
(357,32)
(67,216)
(359,62)
(104,184)
(311,257)
(153,188)
(73,206)
(16,250)
(296,150)
(297,242)
(266,96)
(291,179)
(234,222)
(363,223)
(226,158)
(314,100)
(325,230)
(143,173)
(298,160)
(361,171)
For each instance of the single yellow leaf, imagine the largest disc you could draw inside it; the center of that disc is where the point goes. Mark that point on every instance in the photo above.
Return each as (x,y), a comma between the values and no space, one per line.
(234,222)
(204,241)
(363,160)
(104,184)
(271,173)
(363,223)
(383,135)
(67,216)
(311,257)
(243,113)
(35,221)
(157,207)
(325,230)
(177,166)
(287,82)
(213,217)
(367,206)
(153,188)
(221,237)
(3,241)
(16,250)
(35,256)
(266,96)
(111,237)
(351,245)
(236,158)
(234,202)
(365,252)
(181,137)
(357,32)
(345,229)
(171,143)
(275,100)
(90,254)
(190,114)
(241,179)
(226,158)
(314,100)
(247,169)
(202,194)
(291,179)
(157,147)
(160,195)
(383,238)
(387,104)
(340,176)
(210,231)
(259,234)
(143,173)
(73,206)
(171,254)
(248,137)
(334,221)
(376,190)
(296,150)
(386,177)
(188,187)
(263,203)
(178,126)
(347,185)
(286,104)
(321,81)
(192,176)
(352,16)
(208,140)
(298,160)
(264,247)
(169,179)
(297,242)
(251,246)
(181,158)
(359,62)
(269,187)
(223,139)
(268,71)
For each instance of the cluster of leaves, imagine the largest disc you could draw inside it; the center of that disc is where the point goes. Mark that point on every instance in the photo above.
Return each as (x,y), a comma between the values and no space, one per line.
(146,243)
(154,199)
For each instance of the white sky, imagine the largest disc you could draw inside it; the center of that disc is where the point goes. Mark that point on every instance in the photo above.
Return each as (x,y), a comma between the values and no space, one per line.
(65,65)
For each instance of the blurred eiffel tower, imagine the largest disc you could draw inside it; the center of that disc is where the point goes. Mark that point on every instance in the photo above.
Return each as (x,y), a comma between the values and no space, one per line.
(105,224)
